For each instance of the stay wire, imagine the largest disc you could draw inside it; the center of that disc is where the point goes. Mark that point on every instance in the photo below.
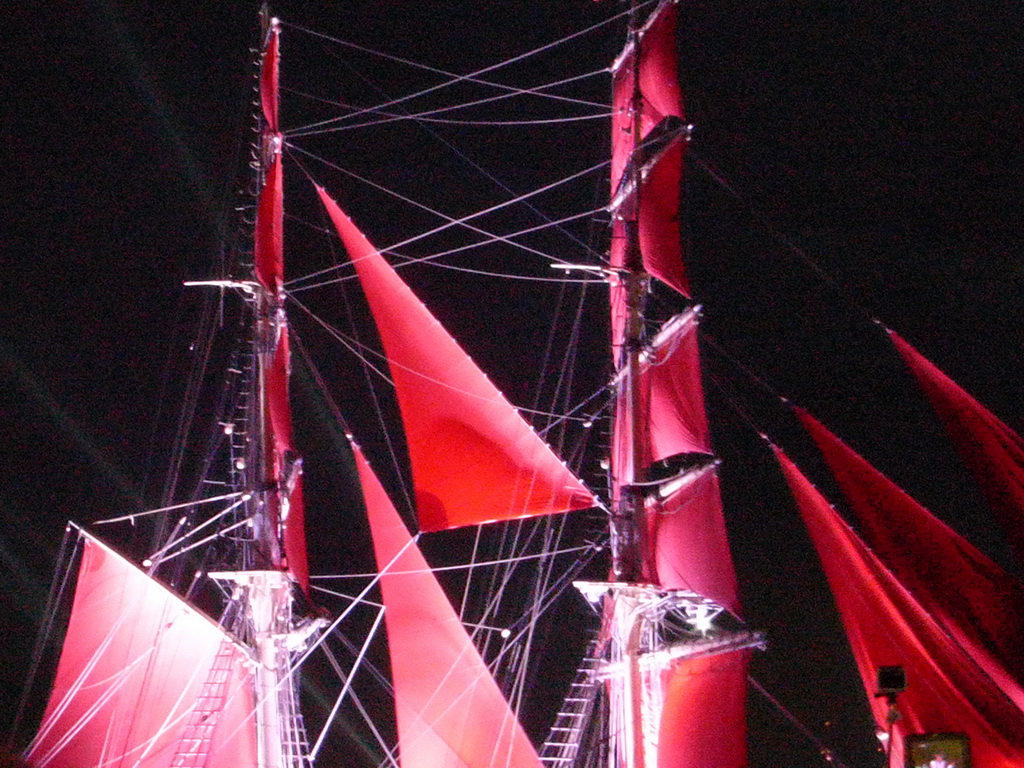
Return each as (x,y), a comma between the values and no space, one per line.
(429,115)
(471,77)
(493,179)
(449,221)
(775,234)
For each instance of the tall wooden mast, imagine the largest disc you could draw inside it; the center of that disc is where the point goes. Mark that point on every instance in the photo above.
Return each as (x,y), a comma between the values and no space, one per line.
(658,616)
(266,584)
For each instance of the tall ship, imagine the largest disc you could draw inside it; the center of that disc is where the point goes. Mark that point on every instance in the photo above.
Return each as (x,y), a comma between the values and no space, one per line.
(370,553)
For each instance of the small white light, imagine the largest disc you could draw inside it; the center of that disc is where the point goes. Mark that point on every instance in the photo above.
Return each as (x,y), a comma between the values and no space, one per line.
(506,633)
(239,463)
(147,563)
(229,429)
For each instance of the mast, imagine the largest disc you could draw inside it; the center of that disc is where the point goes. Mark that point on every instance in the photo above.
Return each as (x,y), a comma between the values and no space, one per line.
(274,568)
(672,575)
(627,519)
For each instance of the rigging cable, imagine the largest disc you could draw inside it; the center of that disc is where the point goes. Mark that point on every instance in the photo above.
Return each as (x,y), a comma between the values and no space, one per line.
(472,77)
(449,221)
(428,116)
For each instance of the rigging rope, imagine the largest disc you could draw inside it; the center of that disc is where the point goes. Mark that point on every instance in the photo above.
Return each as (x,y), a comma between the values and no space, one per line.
(473,77)
(429,114)
(451,221)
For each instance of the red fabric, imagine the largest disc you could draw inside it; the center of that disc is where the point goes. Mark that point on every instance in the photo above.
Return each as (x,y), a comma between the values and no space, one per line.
(450,711)
(934,562)
(992,451)
(671,405)
(660,241)
(269,263)
(278,410)
(659,86)
(691,549)
(279,444)
(671,400)
(660,97)
(295,537)
(135,660)
(269,246)
(269,79)
(887,626)
(703,722)
(674,395)
(474,459)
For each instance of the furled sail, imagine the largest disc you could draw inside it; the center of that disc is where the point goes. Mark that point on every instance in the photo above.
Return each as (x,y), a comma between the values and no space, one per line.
(269,245)
(474,459)
(934,562)
(283,469)
(450,711)
(144,680)
(992,451)
(655,158)
(887,626)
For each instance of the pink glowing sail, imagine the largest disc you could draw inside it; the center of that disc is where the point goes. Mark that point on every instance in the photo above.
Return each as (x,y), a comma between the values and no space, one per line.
(450,711)
(934,562)
(887,626)
(144,680)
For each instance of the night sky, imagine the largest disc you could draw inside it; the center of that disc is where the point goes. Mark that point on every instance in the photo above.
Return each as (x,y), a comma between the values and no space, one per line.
(850,162)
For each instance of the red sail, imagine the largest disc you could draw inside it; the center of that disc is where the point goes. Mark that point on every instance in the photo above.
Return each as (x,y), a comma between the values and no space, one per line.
(703,722)
(474,458)
(450,711)
(140,668)
(886,626)
(687,531)
(659,85)
(934,562)
(269,77)
(992,451)
(283,470)
(269,245)
(286,473)
(657,157)
(671,396)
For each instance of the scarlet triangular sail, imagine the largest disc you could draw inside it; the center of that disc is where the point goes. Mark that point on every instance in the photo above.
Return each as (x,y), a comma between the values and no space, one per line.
(450,711)
(139,669)
(992,451)
(886,626)
(934,563)
(474,459)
